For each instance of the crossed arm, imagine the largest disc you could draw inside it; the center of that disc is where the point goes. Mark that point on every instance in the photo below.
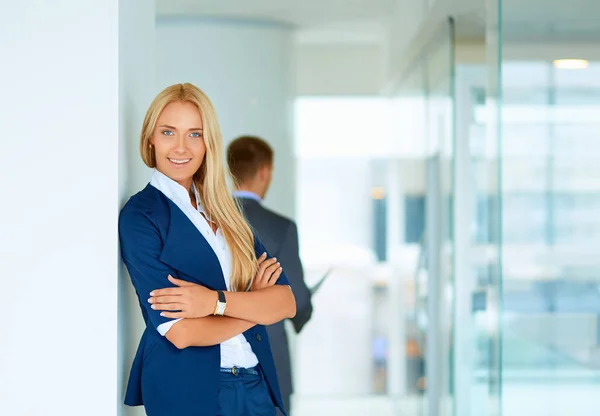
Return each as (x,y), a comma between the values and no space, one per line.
(270,300)
(266,304)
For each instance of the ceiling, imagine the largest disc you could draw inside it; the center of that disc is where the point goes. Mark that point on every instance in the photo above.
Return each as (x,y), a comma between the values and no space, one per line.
(316,21)
(302,14)
(551,20)
(369,20)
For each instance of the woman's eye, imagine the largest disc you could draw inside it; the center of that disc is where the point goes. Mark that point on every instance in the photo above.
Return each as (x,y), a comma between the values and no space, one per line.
(168,133)
(196,134)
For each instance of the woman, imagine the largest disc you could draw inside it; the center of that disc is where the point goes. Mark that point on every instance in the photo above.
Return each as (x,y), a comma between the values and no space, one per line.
(205,285)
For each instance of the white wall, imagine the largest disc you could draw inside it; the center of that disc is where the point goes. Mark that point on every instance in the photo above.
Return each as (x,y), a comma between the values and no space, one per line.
(340,69)
(246,69)
(58,218)
(473,51)
(74,96)
(406,18)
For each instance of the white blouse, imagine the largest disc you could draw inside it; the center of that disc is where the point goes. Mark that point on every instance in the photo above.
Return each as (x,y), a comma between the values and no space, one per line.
(235,351)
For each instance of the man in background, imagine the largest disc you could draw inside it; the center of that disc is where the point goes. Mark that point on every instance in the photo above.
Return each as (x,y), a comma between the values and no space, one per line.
(250,160)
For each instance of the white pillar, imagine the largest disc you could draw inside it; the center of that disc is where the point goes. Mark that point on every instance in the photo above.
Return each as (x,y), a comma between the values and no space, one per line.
(137,66)
(246,69)
(59,179)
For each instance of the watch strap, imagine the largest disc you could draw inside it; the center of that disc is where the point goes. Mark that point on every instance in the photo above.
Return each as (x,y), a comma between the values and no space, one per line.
(221,296)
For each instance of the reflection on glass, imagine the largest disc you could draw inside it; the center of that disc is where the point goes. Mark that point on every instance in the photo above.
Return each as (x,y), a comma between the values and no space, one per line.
(363,193)
(550,209)
(550,202)
(351,185)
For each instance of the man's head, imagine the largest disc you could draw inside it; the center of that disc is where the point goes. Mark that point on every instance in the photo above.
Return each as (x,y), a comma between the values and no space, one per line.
(250,161)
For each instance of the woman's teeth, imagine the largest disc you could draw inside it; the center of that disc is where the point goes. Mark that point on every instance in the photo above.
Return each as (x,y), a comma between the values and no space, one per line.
(180,161)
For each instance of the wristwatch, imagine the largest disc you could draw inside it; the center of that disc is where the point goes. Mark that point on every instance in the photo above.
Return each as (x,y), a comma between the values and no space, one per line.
(221,304)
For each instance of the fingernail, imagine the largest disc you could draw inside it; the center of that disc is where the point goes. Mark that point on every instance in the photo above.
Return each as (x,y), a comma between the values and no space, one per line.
(281,268)
(263,255)
(150,300)
(279,264)
(153,307)
(162,314)
(151,293)
(274,258)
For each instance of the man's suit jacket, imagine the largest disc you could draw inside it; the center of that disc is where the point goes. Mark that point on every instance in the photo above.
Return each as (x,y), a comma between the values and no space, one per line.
(280,236)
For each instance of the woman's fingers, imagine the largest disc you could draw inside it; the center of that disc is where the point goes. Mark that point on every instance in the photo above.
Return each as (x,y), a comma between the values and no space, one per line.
(179,282)
(261,261)
(173,315)
(168,306)
(263,266)
(269,278)
(165,299)
(271,269)
(275,276)
(268,272)
(169,291)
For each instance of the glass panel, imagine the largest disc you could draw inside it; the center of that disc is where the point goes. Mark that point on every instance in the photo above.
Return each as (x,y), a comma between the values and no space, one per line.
(492,272)
(551,197)
(428,203)
(478,204)
(440,201)
(412,187)
(352,220)
(476,257)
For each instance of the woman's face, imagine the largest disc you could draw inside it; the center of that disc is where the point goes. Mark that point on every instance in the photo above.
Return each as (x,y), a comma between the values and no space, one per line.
(178,142)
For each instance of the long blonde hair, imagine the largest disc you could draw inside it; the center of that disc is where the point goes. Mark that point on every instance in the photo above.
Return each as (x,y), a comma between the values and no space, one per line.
(210,179)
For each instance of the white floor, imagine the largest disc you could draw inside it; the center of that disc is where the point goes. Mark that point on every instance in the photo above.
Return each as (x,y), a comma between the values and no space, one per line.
(518,400)
(334,366)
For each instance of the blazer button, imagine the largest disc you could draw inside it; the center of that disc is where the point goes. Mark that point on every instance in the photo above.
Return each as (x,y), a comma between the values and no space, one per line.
(258,338)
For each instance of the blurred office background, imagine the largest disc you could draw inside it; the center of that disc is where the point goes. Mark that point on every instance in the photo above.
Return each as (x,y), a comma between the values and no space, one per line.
(441,157)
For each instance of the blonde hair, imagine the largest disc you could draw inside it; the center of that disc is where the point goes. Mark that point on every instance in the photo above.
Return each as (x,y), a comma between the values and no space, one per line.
(210,179)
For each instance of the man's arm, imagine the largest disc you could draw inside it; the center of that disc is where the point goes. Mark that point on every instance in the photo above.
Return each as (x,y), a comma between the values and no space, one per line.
(289,257)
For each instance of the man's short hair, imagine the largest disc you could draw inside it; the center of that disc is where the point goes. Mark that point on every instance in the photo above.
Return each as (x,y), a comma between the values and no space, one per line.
(246,155)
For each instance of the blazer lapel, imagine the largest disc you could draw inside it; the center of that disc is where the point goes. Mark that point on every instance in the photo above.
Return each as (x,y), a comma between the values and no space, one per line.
(186,250)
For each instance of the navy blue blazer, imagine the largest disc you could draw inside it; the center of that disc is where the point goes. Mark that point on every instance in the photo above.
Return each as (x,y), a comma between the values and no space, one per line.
(157,239)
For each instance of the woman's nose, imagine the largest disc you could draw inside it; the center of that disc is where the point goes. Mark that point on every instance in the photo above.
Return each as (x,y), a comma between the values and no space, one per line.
(181,144)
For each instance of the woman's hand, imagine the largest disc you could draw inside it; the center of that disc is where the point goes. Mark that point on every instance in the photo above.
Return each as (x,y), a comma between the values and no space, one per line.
(268,273)
(193,300)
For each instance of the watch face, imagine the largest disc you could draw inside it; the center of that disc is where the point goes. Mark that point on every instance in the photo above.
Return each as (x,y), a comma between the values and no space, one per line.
(221,308)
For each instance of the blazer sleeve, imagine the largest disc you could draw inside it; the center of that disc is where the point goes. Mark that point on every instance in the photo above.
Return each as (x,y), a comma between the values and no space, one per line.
(141,246)
(259,249)
(289,257)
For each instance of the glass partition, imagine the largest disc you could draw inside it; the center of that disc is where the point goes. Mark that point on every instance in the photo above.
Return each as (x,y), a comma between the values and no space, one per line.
(550,211)
(429,324)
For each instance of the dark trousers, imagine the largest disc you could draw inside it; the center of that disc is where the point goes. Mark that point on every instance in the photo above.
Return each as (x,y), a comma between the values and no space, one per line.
(245,394)
(286,404)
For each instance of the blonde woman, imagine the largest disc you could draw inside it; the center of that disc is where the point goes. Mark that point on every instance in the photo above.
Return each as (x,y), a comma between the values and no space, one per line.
(205,284)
